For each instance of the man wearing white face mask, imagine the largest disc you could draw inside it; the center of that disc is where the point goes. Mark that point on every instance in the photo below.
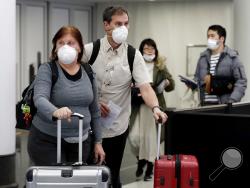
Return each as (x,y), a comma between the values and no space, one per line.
(220,74)
(114,85)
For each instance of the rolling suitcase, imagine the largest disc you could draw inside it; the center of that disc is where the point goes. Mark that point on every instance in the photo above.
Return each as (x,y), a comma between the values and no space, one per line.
(77,175)
(175,171)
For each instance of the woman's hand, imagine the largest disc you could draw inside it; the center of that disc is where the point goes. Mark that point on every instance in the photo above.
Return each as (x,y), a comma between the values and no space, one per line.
(99,153)
(63,113)
(167,83)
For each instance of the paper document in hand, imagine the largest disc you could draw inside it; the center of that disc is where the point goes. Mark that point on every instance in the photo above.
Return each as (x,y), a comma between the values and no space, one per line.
(161,86)
(113,114)
(190,83)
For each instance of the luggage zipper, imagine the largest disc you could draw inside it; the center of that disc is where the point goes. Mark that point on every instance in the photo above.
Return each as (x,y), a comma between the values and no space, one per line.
(191,180)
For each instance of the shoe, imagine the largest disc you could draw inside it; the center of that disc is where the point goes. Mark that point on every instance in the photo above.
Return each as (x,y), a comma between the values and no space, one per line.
(149,171)
(138,172)
(141,164)
(147,178)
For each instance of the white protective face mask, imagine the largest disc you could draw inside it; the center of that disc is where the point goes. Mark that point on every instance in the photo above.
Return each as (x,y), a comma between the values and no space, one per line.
(66,54)
(212,44)
(148,58)
(120,34)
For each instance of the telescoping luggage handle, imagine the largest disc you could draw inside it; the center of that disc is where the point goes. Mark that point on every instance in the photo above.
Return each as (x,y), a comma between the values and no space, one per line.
(159,123)
(59,135)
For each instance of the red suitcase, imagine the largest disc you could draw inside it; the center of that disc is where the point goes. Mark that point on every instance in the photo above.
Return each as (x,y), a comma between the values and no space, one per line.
(175,171)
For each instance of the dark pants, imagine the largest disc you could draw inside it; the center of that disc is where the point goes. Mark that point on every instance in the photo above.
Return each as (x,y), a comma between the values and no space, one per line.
(42,149)
(114,149)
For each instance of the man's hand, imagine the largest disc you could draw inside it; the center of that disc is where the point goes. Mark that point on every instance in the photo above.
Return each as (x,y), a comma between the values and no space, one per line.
(158,114)
(104,109)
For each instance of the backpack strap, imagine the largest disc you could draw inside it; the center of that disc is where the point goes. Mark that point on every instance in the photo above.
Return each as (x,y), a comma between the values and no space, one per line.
(54,71)
(89,71)
(131,57)
(96,48)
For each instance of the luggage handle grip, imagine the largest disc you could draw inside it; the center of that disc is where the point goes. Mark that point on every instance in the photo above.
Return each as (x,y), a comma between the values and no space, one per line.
(159,120)
(80,116)
(59,135)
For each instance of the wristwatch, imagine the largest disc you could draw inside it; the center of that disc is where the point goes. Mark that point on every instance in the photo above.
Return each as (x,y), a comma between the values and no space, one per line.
(155,107)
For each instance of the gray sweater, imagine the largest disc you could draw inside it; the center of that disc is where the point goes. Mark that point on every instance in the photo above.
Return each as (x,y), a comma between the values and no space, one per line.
(77,95)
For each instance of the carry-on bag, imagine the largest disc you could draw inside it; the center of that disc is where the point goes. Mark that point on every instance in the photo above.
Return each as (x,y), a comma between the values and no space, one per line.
(77,175)
(175,171)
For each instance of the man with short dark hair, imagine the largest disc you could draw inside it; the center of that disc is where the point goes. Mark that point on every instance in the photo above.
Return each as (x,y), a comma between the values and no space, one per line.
(114,79)
(220,74)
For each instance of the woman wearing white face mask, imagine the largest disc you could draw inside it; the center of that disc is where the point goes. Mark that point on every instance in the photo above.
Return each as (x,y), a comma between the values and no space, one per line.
(220,74)
(141,119)
(73,91)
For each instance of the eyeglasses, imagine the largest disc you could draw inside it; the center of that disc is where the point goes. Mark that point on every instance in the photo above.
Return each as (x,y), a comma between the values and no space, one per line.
(148,49)
(109,69)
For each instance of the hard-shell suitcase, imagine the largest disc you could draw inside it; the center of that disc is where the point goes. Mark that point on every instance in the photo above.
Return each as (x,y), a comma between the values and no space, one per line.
(175,171)
(77,175)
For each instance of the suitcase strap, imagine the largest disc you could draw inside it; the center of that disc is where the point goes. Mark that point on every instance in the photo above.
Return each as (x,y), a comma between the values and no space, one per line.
(178,170)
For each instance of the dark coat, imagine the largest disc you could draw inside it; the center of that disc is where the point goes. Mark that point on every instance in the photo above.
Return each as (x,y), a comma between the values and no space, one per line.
(160,72)
(229,65)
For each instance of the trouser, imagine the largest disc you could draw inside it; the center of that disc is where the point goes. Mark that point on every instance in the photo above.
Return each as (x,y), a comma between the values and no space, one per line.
(42,149)
(114,149)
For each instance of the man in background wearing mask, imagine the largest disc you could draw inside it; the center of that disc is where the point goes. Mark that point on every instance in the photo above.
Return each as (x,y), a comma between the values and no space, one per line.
(219,72)
(114,85)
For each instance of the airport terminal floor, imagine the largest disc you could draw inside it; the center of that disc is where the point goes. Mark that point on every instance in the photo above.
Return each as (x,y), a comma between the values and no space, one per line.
(139,184)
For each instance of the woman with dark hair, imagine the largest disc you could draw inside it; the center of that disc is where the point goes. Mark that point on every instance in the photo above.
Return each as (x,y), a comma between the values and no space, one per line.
(73,91)
(143,135)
